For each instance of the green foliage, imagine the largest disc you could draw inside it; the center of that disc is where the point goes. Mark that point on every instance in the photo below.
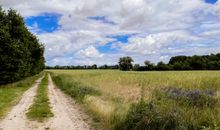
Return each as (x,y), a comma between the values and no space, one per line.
(149,65)
(73,88)
(40,110)
(147,116)
(21,52)
(125,63)
(136,67)
(205,62)
(162,66)
(161,114)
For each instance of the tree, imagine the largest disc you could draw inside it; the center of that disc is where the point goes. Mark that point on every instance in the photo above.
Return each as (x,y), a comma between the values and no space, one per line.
(149,65)
(162,66)
(21,52)
(177,59)
(94,66)
(125,63)
(136,67)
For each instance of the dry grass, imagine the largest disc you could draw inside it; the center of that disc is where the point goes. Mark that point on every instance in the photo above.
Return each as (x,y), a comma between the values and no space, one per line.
(127,85)
(121,89)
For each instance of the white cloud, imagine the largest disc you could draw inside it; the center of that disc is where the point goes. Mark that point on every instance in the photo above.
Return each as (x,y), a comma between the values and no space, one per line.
(163,28)
(153,43)
(61,43)
(90,52)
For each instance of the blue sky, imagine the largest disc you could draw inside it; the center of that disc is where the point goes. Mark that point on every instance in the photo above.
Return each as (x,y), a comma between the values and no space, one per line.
(211,1)
(47,22)
(82,32)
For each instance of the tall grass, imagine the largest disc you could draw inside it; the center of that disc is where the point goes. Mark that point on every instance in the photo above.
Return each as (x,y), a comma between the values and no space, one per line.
(73,88)
(10,94)
(119,105)
(40,109)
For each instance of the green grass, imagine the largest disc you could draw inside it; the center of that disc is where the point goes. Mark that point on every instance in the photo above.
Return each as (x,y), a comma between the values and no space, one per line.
(136,99)
(73,88)
(40,110)
(10,94)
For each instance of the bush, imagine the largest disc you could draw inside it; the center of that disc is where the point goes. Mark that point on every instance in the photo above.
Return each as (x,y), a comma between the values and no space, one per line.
(147,116)
(173,109)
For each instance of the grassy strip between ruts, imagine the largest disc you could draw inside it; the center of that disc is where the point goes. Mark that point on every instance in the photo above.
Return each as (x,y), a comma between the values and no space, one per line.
(10,94)
(40,110)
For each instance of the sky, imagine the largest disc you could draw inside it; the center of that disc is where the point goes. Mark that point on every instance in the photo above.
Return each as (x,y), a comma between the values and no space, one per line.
(79,32)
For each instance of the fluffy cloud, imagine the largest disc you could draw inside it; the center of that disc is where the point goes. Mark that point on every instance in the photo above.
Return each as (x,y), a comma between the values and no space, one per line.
(153,43)
(161,28)
(66,44)
(90,52)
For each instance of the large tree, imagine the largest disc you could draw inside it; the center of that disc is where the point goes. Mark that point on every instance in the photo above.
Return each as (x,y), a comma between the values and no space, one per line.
(125,63)
(21,53)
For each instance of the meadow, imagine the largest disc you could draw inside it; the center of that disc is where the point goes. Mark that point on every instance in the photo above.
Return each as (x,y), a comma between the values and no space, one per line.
(145,100)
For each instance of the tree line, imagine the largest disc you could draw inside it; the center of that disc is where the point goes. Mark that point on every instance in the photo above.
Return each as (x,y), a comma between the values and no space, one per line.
(84,67)
(21,54)
(204,62)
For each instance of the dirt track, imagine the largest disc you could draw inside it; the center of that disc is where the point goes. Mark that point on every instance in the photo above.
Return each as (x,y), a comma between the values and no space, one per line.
(16,118)
(67,115)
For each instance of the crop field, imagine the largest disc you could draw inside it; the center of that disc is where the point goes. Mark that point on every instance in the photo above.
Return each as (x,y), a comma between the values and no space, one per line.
(150,100)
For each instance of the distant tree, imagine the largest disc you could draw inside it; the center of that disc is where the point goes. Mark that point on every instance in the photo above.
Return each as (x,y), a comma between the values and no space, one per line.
(210,62)
(162,66)
(125,63)
(149,65)
(178,59)
(105,66)
(197,63)
(136,67)
(94,66)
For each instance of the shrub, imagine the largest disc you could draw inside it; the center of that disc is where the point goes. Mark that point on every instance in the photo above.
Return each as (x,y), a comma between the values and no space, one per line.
(172,109)
(147,116)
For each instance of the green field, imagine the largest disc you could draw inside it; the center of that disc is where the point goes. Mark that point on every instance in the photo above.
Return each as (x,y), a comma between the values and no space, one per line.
(11,93)
(134,100)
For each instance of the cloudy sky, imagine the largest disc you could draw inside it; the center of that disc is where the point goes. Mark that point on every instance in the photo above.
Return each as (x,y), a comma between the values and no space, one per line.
(77,32)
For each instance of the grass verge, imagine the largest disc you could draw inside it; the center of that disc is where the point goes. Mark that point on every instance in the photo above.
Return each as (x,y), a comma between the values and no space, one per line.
(40,110)
(73,88)
(10,94)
